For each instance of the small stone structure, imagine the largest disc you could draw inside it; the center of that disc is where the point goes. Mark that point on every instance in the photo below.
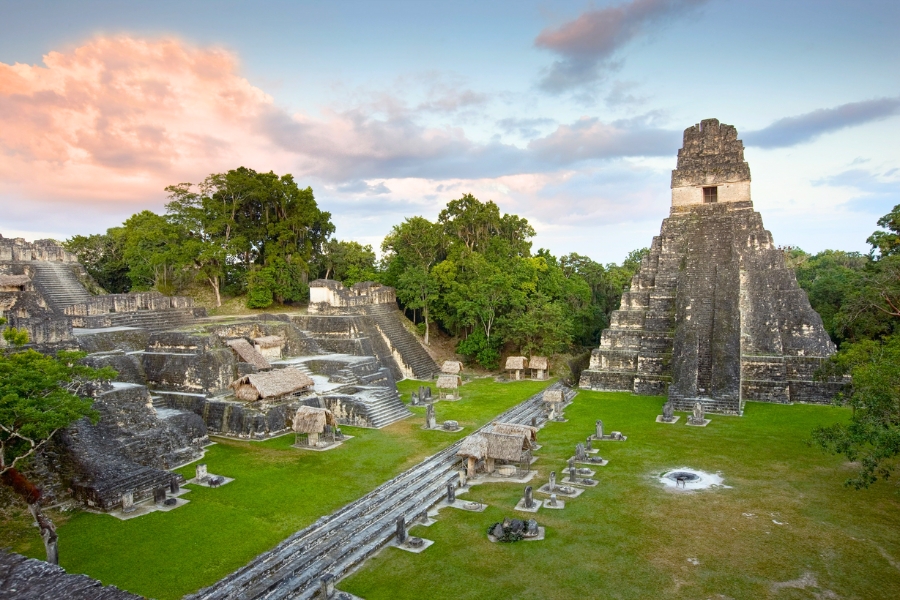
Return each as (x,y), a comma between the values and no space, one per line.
(697,418)
(540,367)
(668,414)
(553,400)
(448,387)
(269,346)
(311,423)
(514,367)
(327,294)
(430,419)
(714,315)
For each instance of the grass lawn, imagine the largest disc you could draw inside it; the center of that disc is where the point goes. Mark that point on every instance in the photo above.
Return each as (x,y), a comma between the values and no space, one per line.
(277,491)
(631,538)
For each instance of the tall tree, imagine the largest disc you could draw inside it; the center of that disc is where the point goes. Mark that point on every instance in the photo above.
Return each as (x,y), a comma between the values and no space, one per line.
(415,246)
(39,395)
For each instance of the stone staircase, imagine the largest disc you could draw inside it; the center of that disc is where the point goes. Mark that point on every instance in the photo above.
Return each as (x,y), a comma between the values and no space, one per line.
(416,359)
(383,405)
(58,284)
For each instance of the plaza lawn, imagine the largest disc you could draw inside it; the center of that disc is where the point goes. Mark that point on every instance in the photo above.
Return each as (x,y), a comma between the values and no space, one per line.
(277,491)
(785,528)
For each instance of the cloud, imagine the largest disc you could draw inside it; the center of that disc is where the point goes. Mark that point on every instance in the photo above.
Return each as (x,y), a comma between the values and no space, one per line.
(588,44)
(589,138)
(118,118)
(806,127)
(878,192)
(621,94)
(526,128)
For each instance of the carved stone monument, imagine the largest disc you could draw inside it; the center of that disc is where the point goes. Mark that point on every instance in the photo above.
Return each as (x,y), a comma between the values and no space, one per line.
(430,420)
(401,530)
(552,484)
(697,417)
(721,316)
(451,493)
(128,502)
(529,497)
(598,430)
(201,474)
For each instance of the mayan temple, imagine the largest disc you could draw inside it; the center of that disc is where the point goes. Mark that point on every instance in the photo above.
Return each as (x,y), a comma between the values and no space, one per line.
(713,315)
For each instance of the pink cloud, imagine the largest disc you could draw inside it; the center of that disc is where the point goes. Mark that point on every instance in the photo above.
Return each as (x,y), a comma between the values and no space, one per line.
(120,118)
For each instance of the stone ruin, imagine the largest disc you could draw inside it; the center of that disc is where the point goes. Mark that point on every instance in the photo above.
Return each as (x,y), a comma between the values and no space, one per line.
(176,368)
(714,315)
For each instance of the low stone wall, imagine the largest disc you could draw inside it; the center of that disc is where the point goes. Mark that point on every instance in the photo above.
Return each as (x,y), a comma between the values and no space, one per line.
(119,303)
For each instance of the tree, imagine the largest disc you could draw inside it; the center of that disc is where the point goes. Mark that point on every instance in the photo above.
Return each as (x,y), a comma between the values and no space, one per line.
(39,395)
(348,262)
(887,242)
(413,248)
(872,436)
(872,359)
(102,255)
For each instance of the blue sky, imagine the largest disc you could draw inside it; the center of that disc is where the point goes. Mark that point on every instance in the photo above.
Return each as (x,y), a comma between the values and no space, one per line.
(567,113)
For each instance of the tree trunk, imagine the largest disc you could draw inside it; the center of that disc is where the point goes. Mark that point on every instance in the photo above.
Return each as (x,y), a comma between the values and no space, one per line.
(48,533)
(214,283)
(425,313)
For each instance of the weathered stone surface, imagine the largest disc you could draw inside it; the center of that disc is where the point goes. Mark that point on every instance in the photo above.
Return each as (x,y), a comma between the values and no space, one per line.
(131,448)
(713,314)
(31,579)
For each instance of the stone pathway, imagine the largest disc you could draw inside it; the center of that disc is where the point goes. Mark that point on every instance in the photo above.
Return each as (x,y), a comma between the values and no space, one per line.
(343,540)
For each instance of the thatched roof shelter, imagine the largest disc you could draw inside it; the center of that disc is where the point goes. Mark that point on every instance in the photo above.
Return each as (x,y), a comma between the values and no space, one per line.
(515,363)
(553,396)
(451,367)
(526,431)
(273,384)
(539,362)
(269,341)
(310,419)
(448,382)
(248,353)
(498,446)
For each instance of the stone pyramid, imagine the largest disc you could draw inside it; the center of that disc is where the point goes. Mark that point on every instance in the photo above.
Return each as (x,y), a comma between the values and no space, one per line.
(713,315)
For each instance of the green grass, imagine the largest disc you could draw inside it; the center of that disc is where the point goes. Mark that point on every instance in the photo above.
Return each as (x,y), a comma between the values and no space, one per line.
(277,491)
(630,538)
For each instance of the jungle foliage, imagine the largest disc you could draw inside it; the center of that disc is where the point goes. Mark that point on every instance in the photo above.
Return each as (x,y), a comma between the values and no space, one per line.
(473,274)
(858,297)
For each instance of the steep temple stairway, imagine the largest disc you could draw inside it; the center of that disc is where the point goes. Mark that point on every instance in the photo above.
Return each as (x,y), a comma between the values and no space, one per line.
(57,282)
(416,359)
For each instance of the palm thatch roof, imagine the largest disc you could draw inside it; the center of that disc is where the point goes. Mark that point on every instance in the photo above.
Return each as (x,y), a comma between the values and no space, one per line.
(475,446)
(269,341)
(553,396)
(498,446)
(527,431)
(248,353)
(310,419)
(14,280)
(272,384)
(538,362)
(448,382)
(451,367)
(515,363)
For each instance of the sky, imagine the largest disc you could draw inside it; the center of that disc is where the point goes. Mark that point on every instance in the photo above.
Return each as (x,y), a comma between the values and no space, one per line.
(567,113)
